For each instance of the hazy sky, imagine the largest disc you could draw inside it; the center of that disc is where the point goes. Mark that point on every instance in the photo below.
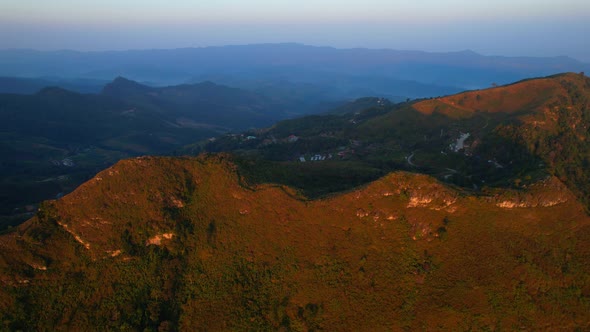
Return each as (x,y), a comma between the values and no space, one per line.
(500,27)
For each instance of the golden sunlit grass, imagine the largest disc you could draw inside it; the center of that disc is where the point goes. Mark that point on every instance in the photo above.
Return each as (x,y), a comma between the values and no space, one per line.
(518,97)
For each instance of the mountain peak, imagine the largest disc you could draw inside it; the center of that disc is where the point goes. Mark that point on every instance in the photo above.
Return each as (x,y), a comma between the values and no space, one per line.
(122,80)
(122,85)
(54,91)
(468,53)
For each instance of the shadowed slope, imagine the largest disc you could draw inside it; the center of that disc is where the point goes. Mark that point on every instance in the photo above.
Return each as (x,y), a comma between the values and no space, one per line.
(552,119)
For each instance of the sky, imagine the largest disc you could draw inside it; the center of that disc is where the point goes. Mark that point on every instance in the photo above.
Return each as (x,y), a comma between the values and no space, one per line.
(500,27)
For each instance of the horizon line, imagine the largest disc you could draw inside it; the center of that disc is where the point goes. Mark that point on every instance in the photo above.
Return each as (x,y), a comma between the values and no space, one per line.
(470,51)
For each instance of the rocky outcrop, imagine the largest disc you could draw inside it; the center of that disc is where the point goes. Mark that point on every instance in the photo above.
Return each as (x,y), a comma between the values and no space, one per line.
(546,193)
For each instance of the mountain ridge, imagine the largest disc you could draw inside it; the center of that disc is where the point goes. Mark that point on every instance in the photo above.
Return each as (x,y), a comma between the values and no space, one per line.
(518,100)
(289,61)
(271,259)
(505,136)
(291,46)
(418,191)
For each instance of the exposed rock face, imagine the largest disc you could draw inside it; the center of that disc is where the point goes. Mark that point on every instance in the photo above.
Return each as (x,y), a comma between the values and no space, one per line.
(158,239)
(547,193)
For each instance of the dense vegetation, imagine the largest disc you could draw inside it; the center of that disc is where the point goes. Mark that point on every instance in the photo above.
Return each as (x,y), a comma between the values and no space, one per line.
(563,146)
(405,252)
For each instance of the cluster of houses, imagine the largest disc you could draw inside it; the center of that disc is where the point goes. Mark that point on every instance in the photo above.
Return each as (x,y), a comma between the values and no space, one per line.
(316,157)
(342,153)
(273,140)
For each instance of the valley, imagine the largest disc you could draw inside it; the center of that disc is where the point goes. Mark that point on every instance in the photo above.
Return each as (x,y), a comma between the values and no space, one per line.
(54,140)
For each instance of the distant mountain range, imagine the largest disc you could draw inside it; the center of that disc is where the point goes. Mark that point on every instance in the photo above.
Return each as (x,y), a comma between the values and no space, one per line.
(488,231)
(334,73)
